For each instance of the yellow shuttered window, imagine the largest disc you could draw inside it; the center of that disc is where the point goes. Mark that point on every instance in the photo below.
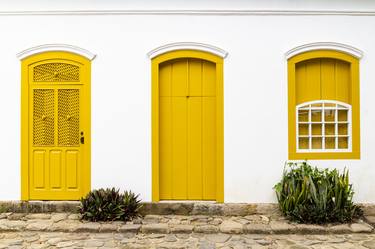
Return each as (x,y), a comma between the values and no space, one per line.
(323,106)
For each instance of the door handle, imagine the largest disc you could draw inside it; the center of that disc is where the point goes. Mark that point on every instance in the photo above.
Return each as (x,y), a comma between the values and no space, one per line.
(82,138)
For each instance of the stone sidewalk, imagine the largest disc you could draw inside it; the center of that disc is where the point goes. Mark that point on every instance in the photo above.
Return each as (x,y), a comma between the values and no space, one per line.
(54,240)
(174,224)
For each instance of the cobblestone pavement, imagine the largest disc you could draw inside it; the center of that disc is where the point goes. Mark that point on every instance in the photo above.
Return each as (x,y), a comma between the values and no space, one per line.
(202,241)
(177,224)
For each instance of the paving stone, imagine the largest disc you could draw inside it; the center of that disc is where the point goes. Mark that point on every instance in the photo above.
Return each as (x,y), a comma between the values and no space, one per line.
(65,244)
(149,219)
(105,227)
(361,228)
(257,229)
(229,226)
(88,227)
(38,225)
(16,216)
(299,247)
(56,217)
(93,243)
(170,238)
(65,226)
(218,238)
(12,225)
(4,215)
(55,241)
(206,229)
(155,228)
(74,217)
(370,244)
(38,216)
(310,228)
(130,228)
(370,219)
(206,245)
(279,227)
(337,229)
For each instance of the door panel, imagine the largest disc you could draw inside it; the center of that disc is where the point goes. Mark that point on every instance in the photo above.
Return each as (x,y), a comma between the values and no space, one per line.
(55,130)
(179,148)
(187,129)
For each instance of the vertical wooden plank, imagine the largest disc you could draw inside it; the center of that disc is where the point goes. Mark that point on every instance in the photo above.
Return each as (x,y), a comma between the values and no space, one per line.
(39,169)
(343,86)
(55,169)
(71,169)
(301,83)
(195,77)
(209,147)
(195,148)
(313,90)
(328,81)
(165,75)
(179,145)
(179,78)
(165,148)
(209,78)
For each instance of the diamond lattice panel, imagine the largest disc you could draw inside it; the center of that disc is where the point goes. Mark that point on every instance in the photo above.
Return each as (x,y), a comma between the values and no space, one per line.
(68,117)
(43,117)
(50,72)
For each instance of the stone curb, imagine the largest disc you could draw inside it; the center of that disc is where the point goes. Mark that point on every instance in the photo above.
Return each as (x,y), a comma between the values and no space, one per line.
(162,208)
(155,225)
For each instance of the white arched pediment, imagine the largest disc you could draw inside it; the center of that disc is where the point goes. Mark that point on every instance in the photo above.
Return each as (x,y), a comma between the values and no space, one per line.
(55,47)
(325,46)
(188,46)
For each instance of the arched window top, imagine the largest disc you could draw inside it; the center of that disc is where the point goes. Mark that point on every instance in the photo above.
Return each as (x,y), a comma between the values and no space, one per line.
(187,46)
(324,103)
(327,46)
(55,48)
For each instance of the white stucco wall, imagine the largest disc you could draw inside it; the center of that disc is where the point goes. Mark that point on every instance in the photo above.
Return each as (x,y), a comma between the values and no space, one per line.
(255,89)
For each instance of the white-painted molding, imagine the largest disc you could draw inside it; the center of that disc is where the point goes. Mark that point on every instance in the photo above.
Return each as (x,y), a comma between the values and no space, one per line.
(188,46)
(326,46)
(222,12)
(55,47)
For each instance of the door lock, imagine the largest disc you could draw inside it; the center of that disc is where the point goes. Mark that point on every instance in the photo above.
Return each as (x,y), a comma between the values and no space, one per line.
(82,138)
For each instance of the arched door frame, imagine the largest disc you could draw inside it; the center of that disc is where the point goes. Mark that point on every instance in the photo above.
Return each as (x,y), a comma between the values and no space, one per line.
(35,55)
(186,53)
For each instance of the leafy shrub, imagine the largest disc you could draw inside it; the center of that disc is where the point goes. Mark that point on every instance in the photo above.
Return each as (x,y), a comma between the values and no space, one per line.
(309,195)
(109,205)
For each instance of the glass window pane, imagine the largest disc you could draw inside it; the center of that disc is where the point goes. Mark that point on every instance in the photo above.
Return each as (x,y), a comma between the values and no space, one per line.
(343,129)
(316,115)
(316,129)
(303,129)
(343,143)
(330,105)
(316,142)
(330,142)
(329,115)
(303,143)
(342,115)
(317,105)
(303,115)
(330,129)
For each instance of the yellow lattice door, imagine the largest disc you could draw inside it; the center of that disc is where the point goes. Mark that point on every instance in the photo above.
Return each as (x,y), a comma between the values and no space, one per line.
(187,135)
(56,132)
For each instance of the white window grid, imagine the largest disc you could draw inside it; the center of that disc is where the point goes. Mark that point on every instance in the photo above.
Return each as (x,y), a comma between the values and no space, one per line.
(325,105)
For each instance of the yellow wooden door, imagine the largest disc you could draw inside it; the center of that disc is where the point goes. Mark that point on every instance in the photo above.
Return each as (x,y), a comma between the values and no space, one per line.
(58,129)
(187,130)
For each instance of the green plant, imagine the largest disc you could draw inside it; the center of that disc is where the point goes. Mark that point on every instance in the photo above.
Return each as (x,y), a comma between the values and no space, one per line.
(309,195)
(109,205)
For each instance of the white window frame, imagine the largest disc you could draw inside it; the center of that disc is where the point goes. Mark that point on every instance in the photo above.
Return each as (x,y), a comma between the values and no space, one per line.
(308,106)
